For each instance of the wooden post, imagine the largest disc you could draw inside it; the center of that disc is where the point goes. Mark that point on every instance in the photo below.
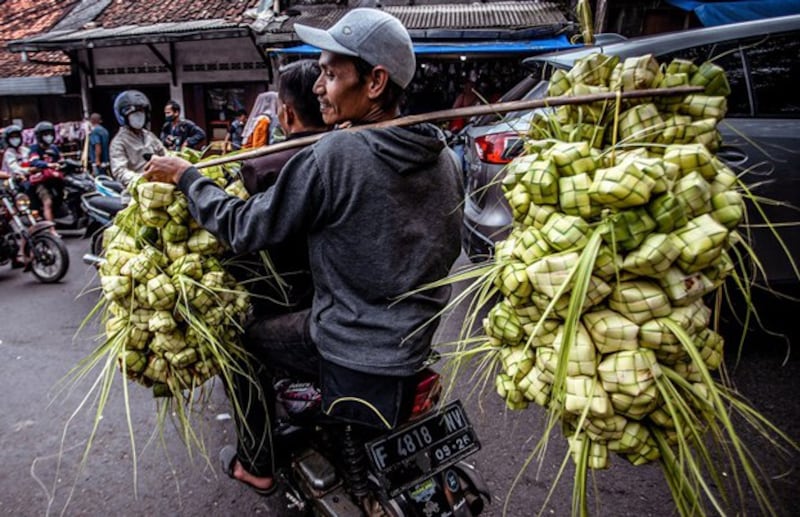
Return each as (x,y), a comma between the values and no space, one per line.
(600,17)
(450,114)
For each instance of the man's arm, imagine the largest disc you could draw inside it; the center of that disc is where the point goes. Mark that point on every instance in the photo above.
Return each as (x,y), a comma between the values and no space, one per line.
(11,163)
(97,144)
(265,219)
(194,134)
(166,134)
(120,165)
(36,159)
(158,145)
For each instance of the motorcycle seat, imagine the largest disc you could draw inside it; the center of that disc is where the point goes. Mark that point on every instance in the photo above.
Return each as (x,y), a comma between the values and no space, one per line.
(109,205)
(110,184)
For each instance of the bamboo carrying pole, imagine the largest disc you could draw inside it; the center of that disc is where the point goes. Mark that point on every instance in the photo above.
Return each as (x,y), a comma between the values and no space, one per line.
(450,114)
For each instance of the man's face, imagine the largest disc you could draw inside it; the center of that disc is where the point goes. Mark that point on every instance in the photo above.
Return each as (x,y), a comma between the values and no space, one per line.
(341,96)
(169,113)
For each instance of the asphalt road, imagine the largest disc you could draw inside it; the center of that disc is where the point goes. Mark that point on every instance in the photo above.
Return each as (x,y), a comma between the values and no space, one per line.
(45,423)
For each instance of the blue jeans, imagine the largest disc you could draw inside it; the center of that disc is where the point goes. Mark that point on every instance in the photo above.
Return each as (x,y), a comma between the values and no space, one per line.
(282,346)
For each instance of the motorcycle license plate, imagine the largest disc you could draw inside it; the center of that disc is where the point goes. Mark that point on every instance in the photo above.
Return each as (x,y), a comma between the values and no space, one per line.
(423,448)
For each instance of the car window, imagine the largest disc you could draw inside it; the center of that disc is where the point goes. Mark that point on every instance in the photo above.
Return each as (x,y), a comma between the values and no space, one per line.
(514,94)
(727,55)
(775,74)
(537,92)
(773,69)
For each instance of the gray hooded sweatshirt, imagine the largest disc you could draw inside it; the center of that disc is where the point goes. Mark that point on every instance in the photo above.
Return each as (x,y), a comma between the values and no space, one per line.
(382,213)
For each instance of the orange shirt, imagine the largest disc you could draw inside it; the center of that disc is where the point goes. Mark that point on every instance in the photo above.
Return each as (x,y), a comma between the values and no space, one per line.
(260,135)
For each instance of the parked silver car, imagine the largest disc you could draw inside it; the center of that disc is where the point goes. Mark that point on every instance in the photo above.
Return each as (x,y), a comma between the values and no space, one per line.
(761,134)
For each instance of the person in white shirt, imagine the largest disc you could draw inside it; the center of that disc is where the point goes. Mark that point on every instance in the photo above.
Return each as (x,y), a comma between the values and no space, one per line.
(16,153)
(134,144)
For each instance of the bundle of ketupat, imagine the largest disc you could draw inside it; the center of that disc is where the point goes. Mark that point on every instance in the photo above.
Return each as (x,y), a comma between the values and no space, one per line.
(173,313)
(616,243)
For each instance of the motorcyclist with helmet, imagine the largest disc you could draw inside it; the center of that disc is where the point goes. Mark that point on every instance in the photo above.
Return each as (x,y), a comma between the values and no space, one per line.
(133,144)
(15,155)
(13,167)
(45,157)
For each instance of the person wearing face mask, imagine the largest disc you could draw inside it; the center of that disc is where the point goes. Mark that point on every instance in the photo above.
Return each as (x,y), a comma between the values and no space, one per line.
(44,151)
(381,212)
(178,133)
(233,138)
(44,154)
(133,144)
(15,154)
(12,168)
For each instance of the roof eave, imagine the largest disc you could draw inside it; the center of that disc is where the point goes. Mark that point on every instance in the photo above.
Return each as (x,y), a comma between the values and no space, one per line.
(443,34)
(40,43)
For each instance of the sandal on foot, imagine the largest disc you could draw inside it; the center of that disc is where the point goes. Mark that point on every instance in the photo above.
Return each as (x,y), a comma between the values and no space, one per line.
(228,459)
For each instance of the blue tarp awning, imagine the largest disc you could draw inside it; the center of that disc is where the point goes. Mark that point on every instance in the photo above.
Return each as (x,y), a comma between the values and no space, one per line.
(484,47)
(720,13)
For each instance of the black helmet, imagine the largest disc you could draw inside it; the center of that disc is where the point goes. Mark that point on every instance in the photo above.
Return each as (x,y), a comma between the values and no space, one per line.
(12,130)
(129,101)
(42,128)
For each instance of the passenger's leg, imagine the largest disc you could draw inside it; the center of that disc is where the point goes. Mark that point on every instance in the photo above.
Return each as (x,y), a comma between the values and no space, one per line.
(46,198)
(279,343)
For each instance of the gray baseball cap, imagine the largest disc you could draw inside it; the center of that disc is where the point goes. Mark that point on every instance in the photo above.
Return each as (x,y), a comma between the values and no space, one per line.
(373,35)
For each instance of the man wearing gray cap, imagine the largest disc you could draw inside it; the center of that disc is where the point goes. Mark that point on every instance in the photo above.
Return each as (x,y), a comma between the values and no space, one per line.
(381,209)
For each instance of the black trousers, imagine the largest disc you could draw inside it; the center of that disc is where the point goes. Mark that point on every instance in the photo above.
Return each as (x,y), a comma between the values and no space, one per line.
(282,346)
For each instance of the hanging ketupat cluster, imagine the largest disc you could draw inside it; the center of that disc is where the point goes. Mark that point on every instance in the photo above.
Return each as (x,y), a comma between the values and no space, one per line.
(640,190)
(174,313)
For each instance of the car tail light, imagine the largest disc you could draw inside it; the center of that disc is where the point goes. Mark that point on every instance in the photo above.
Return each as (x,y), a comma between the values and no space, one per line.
(498,148)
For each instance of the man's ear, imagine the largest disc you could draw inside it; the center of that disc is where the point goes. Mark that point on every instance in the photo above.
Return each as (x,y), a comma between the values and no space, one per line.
(378,82)
(288,115)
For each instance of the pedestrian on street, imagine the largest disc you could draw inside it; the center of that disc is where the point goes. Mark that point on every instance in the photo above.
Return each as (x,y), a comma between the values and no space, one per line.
(467,97)
(381,211)
(233,138)
(178,133)
(98,144)
(261,126)
(133,144)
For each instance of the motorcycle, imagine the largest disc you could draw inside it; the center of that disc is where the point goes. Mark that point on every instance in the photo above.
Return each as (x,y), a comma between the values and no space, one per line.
(69,182)
(26,242)
(101,205)
(332,468)
(418,469)
(77,183)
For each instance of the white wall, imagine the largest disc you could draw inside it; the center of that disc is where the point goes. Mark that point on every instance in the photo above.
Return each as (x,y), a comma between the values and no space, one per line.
(140,64)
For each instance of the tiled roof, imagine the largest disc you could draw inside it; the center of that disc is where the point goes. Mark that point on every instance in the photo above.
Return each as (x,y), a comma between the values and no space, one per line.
(138,12)
(113,36)
(494,15)
(11,64)
(21,18)
(508,15)
(126,21)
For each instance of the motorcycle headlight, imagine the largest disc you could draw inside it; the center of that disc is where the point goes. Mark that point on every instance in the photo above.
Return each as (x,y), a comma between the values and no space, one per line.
(22,201)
